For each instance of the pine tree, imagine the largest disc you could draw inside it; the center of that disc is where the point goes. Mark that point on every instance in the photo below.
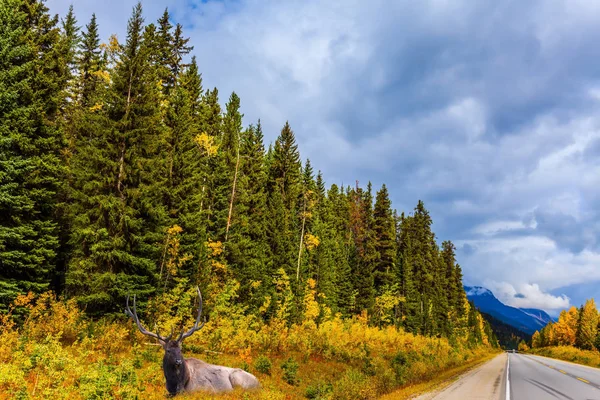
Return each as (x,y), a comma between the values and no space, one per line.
(89,63)
(337,216)
(284,188)
(306,203)
(365,254)
(385,241)
(68,44)
(120,220)
(247,246)
(32,76)
(211,126)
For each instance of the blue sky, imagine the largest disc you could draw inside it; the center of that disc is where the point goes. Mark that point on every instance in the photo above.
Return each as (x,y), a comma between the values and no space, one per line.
(486,110)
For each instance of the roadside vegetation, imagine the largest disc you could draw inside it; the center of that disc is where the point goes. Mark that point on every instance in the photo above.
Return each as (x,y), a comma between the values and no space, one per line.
(59,353)
(570,353)
(575,337)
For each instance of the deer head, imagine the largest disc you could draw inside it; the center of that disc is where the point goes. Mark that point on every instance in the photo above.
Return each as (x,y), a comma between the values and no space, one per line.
(174,366)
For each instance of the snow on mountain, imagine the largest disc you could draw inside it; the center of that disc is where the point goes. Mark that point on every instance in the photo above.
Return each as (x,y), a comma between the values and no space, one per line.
(527,320)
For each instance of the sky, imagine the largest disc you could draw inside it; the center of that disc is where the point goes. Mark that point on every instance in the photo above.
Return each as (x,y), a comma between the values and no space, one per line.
(487,111)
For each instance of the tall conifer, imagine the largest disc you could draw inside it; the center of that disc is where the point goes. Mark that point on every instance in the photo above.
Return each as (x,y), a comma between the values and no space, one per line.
(32,77)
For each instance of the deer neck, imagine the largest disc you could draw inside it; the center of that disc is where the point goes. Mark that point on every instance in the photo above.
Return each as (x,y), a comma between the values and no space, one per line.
(176,376)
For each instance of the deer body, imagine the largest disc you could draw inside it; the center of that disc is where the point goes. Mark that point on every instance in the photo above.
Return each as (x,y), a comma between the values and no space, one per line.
(191,374)
(216,378)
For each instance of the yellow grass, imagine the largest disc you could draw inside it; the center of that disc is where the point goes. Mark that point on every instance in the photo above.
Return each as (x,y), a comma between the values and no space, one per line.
(570,353)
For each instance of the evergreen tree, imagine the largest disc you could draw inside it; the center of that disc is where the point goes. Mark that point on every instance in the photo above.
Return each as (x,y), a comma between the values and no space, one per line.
(385,241)
(89,63)
(120,221)
(32,77)
(284,188)
(247,247)
(365,254)
(227,173)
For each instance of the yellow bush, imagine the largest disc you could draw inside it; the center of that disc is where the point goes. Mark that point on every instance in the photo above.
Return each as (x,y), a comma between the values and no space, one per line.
(59,354)
(51,317)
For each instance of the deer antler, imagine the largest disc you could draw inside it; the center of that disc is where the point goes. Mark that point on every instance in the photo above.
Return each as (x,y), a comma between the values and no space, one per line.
(195,327)
(139,324)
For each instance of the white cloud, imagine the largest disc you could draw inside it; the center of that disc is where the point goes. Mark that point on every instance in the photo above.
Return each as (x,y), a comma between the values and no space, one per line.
(528,296)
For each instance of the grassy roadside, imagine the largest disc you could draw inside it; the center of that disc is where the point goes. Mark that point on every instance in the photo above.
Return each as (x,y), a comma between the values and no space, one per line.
(572,354)
(440,381)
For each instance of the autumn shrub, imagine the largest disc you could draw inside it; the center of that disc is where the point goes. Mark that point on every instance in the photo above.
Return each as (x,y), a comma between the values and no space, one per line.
(48,316)
(354,385)
(290,371)
(12,381)
(318,391)
(263,365)
(400,365)
(340,358)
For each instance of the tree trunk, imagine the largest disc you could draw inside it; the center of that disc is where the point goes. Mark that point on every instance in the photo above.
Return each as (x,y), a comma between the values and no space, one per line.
(237,165)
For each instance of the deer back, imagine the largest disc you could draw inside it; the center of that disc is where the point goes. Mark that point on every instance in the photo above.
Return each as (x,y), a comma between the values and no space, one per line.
(217,378)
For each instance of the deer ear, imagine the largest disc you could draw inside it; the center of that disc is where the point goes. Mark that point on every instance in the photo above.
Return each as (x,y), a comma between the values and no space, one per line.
(162,343)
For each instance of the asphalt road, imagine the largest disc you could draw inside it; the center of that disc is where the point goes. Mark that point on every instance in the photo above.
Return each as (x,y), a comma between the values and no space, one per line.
(532,377)
(517,376)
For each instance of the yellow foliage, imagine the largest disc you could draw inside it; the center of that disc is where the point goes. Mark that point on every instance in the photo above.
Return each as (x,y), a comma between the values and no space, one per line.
(111,359)
(173,261)
(566,327)
(385,305)
(312,310)
(523,347)
(206,143)
(535,340)
(51,317)
(96,107)
(572,354)
(103,75)
(216,248)
(311,241)
(113,44)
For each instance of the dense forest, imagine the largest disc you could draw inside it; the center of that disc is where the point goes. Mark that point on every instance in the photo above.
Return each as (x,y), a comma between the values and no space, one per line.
(508,336)
(120,173)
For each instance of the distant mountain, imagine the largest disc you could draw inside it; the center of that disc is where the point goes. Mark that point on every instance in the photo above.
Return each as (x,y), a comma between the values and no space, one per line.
(527,320)
(508,336)
(539,314)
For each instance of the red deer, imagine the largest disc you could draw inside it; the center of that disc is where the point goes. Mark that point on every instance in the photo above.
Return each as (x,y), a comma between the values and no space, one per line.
(191,374)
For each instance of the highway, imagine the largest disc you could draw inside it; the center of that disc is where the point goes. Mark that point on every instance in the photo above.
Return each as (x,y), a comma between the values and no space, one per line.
(532,377)
(515,376)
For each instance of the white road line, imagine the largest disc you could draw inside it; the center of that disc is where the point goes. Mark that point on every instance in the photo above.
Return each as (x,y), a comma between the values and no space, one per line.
(507,379)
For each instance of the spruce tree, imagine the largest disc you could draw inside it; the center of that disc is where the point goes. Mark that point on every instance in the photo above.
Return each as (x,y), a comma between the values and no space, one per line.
(32,77)
(120,220)
(89,63)
(365,254)
(247,248)
(284,188)
(385,241)
(189,169)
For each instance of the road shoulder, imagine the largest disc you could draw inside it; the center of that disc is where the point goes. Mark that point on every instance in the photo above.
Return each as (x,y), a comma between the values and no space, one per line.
(428,390)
